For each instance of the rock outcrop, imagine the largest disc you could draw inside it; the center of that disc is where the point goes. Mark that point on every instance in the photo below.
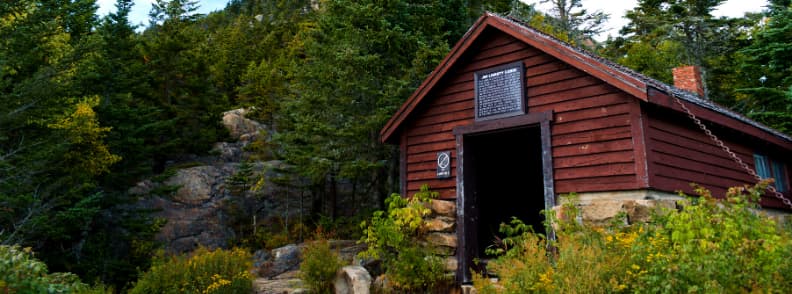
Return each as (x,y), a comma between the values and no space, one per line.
(194,195)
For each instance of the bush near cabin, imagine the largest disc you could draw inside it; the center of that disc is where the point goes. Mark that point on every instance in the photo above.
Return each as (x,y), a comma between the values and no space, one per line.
(395,237)
(709,245)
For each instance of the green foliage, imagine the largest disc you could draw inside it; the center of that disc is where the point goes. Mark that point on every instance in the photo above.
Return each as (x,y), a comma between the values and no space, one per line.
(768,57)
(81,129)
(575,22)
(319,266)
(393,236)
(664,34)
(20,272)
(355,63)
(203,271)
(710,245)
(240,182)
(343,227)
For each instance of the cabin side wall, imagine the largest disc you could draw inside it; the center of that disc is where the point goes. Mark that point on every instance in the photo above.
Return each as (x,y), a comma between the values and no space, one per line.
(679,153)
(592,136)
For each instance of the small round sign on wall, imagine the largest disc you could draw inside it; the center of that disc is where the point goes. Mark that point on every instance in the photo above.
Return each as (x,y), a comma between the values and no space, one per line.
(443,164)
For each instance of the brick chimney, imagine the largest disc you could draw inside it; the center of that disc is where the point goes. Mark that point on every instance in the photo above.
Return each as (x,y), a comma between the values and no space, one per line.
(688,78)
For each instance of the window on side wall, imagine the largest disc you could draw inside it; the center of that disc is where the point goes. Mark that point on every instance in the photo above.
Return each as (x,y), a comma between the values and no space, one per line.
(768,167)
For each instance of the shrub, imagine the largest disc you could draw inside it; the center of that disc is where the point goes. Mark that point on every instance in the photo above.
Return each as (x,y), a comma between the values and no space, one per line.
(20,272)
(203,271)
(394,236)
(319,266)
(710,245)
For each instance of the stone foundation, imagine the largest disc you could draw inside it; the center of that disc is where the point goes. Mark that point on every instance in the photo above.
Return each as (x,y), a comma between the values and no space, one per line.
(440,228)
(602,208)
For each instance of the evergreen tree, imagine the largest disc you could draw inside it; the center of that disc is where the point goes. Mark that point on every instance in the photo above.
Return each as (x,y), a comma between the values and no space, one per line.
(580,25)
(361,59)
(766,84)
(664,34)
(189,106)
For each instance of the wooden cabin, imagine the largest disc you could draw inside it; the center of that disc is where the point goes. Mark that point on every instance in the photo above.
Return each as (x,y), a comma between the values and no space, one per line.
(512,118)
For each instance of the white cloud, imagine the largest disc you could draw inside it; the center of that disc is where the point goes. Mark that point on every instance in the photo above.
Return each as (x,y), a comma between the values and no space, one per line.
(617,9)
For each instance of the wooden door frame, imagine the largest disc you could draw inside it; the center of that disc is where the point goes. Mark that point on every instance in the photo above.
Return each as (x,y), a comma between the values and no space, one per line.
(464,234)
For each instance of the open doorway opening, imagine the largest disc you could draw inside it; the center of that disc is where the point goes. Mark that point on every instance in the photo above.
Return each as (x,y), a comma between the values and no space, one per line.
(503,179)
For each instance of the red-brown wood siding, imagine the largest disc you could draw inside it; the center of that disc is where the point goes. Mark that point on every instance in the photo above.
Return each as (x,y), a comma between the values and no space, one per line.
(591,132)
(679,154)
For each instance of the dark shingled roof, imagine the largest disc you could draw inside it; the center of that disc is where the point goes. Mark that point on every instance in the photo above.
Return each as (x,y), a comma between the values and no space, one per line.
(671,90)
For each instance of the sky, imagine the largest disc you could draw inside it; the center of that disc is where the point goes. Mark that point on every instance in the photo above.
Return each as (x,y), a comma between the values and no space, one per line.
(616,9)
(139,13)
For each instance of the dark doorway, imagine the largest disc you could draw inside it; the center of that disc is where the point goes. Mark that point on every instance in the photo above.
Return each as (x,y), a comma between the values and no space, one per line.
(503,179)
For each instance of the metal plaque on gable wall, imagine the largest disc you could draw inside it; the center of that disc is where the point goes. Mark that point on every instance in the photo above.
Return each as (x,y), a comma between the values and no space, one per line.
(500,91)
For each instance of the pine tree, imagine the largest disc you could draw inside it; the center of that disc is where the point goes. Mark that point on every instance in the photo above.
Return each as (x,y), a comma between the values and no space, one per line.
(766,86)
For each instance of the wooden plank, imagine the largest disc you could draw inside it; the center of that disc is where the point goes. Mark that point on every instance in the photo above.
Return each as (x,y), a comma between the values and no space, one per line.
(427,165)
(618,120)
(502,50)
(554,77)
(451,98)
(442,118)
(676,185)
(592,148)
(456,88)
(423,157)
(498,60)
(464,224)
(605,170)
(426,175)
(693,133)
(659,147)
(403,163)
(452,107)
(593,113)
(579,82)
(674,172)
(624,156)
(548,173)
(436,147)
(695,136)
(536,69)
(495,40)
(592,136)
(429,138)
(700,148)
(539,60)
(433,184)
(637,119)
(581,98)
(612,183)
(438,128)
(449,193)
(700,165)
